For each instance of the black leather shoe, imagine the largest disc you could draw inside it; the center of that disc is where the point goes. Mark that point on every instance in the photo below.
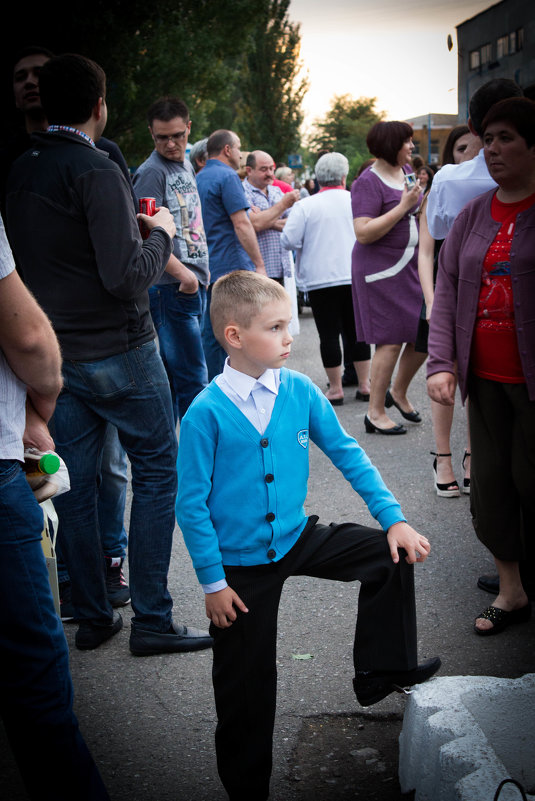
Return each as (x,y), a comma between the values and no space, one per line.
(489,584)
(91,635)
(374,686)
(178,639)
(412,417)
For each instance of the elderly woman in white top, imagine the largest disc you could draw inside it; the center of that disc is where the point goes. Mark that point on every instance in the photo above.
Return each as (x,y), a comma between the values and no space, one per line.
(320,229)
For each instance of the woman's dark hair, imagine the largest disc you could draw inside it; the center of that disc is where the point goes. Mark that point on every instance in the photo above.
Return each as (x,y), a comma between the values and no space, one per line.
(70,87)
(456,133)
(518,112)
(430,175)
(385,139)
(487,95)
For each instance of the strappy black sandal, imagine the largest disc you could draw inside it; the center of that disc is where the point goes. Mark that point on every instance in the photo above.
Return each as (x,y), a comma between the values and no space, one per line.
(449,490)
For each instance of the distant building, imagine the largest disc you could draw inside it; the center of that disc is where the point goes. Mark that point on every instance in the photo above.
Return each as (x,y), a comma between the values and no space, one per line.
(496,43)
(430,134)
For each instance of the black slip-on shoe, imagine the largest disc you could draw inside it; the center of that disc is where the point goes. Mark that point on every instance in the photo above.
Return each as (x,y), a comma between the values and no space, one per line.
(91,635)
(178,639)
(489,584)
(373,686)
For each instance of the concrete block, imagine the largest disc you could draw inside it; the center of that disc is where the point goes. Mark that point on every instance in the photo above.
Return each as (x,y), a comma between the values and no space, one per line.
(462,735)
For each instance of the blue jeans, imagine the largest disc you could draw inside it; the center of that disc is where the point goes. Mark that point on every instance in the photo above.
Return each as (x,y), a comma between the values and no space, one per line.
(112,483)
(178,319)
(36,692)
(213,352)
(112,495)
(131,391)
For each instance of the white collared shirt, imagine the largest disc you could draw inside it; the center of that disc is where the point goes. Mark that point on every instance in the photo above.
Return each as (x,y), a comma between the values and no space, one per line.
(453,187)
(255,397)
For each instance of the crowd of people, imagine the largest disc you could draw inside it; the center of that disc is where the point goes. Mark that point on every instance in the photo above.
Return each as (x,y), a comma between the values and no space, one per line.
(139,325)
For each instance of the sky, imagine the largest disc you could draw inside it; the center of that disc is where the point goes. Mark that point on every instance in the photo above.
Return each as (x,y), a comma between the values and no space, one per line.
(394,50)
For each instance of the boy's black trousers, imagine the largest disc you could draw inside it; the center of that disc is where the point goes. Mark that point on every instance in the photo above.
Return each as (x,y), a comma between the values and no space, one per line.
(244,670)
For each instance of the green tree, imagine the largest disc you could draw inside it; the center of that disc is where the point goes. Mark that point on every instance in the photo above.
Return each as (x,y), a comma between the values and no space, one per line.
(344,129)
(192,49)
(269,108)
(196,49)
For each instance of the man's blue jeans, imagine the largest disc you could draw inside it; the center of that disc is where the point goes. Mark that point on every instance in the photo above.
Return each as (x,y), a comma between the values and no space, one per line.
(35,684)
(112,482)
(112,486)
(213,352)
(131,391)
(178,319)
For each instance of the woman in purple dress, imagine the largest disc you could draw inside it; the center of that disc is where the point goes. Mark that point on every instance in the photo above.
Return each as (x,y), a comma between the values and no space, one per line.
(387,295)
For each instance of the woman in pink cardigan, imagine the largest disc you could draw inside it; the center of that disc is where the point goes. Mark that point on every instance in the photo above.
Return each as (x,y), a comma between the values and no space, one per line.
(483,319)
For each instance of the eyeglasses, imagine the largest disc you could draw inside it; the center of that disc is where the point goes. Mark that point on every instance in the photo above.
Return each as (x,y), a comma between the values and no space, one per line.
(161,139)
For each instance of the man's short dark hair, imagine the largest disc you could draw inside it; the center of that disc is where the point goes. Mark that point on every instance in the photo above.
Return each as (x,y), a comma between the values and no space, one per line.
(218,140)
(385,139)
(250,161)
(166,109)
(70,87)
(489,94)
(519,112)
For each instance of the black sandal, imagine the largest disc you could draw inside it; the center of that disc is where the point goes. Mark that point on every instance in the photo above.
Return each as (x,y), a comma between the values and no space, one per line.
(449,490)
(500,619)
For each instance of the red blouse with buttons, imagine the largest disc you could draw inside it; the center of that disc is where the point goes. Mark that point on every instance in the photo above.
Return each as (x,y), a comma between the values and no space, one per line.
(495,353)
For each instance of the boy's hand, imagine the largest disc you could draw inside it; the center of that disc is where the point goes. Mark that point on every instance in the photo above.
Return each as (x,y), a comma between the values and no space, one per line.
(220,607)
(401,535)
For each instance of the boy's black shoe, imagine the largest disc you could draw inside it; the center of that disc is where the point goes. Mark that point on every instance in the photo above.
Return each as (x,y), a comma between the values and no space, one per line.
(373,686)
(178,639)
(116,587)
(91,635)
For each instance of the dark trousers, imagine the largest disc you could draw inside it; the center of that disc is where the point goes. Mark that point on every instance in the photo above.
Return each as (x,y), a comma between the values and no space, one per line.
(244,671)
(502,471)
(332,308)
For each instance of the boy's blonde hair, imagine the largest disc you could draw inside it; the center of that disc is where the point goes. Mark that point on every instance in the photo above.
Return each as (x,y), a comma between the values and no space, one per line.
(238,297)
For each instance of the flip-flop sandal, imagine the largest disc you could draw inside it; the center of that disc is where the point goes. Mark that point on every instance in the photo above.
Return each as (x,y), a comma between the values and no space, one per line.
(500,619)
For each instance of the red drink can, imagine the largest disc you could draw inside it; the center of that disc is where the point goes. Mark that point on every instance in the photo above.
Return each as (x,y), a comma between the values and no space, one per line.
(147,205)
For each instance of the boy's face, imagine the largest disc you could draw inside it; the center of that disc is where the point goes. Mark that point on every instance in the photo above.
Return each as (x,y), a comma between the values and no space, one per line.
(267,341)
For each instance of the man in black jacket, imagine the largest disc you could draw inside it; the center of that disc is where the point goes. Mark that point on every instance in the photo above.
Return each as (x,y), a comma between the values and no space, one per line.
(74,232)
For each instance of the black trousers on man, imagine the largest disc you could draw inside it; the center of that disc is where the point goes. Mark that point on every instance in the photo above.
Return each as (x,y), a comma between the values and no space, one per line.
(244,671)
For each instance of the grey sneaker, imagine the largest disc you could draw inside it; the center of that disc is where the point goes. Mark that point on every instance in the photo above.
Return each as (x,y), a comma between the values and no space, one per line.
(116,586)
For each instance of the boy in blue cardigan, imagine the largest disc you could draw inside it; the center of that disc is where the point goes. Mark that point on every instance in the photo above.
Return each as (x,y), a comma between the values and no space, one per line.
(242,470)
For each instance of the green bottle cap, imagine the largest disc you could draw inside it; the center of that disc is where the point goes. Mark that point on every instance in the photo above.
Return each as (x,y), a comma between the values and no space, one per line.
(49,463)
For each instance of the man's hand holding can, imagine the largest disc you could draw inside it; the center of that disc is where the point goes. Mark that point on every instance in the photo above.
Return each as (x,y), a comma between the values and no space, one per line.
(150,217)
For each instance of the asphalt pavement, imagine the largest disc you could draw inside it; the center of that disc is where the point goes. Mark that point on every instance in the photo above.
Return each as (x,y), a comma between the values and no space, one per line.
(149,722)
